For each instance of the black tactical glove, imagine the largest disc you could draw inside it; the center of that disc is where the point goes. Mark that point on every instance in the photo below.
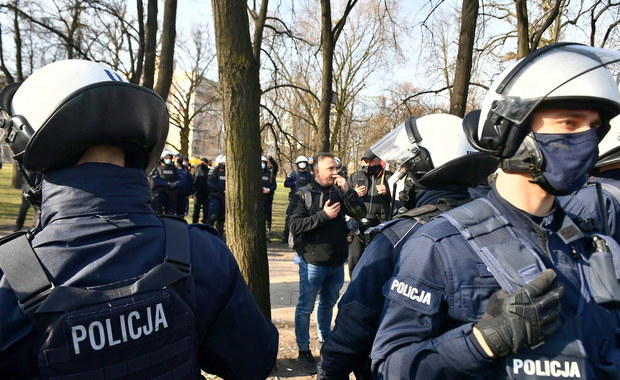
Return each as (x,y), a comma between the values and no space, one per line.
(524,318)
(173,185)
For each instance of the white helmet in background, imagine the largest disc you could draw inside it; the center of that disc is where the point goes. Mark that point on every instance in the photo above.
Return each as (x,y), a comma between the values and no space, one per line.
(434,151)
(609,147)
(65,107)
(166,152)
(264,159)
(220,160)
(301,159)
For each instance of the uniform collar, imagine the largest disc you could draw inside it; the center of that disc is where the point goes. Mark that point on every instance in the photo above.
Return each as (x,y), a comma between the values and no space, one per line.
(94,188)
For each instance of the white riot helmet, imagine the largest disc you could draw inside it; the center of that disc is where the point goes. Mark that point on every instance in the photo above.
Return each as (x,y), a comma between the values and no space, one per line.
(166,152)
(264,159)
(609,147)
(435,152)
(66,107)
(220,160)
(302,162)
(561,75)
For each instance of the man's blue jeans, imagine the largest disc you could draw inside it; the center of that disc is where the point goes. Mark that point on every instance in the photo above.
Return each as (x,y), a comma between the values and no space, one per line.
(322,281)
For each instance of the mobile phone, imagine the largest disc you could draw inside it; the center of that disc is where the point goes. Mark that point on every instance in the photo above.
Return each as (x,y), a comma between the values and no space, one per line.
(361,182)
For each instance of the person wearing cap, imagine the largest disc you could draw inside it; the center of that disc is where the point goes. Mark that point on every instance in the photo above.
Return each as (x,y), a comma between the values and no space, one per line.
(201,191)
(105,288)
(371,185)
(508,286)
(165,178)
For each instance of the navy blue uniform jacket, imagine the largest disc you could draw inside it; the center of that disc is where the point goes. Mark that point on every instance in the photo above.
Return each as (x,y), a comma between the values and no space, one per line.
(98,227)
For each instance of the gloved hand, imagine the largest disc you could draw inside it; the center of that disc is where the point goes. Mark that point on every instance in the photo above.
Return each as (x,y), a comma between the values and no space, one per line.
(173,185)
(524,318)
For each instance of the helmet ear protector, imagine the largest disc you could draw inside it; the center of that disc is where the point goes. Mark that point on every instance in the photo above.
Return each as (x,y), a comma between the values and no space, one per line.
(16,131)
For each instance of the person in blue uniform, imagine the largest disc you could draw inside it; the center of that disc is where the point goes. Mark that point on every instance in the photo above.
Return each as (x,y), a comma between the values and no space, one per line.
(294,180)
(437,180)
(217,190)
(508,286)
(99,236)
(165,179)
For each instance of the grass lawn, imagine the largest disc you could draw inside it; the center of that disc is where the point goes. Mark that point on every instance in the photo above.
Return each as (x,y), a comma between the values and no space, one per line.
(10,199)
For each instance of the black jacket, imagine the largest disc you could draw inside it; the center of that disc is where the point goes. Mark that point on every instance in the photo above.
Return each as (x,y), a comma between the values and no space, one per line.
(320,240)
(377,206)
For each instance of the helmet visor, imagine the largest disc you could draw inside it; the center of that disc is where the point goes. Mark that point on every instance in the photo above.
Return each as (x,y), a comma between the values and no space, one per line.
(399,145)
(545,74)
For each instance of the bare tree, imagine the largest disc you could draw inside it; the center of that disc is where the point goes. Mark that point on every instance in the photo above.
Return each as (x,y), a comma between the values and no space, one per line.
(166,59)
(150,44)
(238,72)
(464,58)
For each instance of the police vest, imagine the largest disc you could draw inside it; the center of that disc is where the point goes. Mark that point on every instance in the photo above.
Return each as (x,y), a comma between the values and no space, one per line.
(513,263)
(140,328)
(167,172)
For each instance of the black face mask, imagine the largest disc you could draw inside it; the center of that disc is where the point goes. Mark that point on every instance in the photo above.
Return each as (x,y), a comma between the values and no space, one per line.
(374,169)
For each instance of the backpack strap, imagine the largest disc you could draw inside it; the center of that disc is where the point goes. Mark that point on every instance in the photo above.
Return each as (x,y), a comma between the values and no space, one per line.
(512,262)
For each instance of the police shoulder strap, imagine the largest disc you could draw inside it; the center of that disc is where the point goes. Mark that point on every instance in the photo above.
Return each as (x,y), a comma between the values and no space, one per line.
(36,293)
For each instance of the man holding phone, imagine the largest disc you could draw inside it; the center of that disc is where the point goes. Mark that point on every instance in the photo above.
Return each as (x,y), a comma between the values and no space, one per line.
(370,184)
(317,220)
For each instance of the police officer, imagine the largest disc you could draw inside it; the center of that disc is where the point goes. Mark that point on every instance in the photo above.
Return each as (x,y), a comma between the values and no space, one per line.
(268,179)
(217,189)
(106,289)
(294,180)
(165,178)
(507,286)
(185,187)
(440,167)
(370,184)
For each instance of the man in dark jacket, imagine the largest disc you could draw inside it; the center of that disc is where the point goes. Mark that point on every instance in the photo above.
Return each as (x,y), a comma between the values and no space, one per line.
(217,188)
(201,191)
(370,184)
(268,179)
(317,221)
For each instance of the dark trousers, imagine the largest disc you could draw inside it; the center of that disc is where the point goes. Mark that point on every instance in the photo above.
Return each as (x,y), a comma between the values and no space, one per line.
(200,203)
(356,249)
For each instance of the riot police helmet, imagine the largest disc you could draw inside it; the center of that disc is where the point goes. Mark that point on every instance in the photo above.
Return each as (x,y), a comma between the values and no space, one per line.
(609,147)
(64,108)
(435,152)
(561,75)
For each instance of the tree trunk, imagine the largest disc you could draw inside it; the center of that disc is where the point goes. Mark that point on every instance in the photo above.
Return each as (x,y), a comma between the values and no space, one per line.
(523,34)
(327,50)
(238,73)
(150,44)
(166,58)
(469,16)
(135,77)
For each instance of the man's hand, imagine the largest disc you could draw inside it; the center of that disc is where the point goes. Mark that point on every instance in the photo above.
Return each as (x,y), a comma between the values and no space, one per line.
(523,319)
(381,189)
(331,210)
(265,190)
(360,190)
(341,183)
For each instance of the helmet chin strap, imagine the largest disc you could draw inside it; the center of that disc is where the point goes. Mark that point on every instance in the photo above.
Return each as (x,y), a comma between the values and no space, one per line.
(529,159)
(34,185)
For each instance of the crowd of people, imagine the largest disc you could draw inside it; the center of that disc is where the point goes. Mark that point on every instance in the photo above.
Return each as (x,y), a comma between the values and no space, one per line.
(490,251)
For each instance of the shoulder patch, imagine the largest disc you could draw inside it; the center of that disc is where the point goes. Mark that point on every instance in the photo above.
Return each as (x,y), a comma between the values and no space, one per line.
(414,294)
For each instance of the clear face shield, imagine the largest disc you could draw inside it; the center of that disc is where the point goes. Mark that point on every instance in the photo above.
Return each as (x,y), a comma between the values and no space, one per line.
(399,145)
(560,71)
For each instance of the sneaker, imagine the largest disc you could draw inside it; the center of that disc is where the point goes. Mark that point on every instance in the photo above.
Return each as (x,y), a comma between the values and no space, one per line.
(307,362)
